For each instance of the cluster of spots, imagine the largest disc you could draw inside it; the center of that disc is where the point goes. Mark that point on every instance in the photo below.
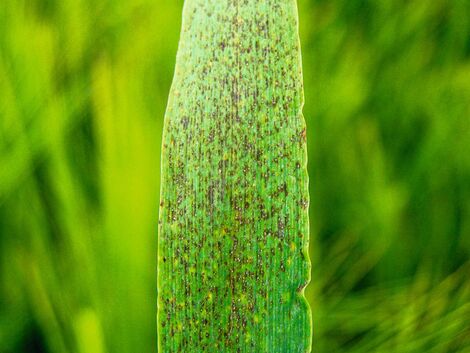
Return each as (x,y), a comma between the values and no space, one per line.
(233,234)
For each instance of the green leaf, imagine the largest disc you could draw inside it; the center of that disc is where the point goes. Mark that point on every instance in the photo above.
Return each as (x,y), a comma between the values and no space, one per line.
(232,262)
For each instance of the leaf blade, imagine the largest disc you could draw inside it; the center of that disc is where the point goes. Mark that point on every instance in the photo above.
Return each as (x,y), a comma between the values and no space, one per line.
(232,261)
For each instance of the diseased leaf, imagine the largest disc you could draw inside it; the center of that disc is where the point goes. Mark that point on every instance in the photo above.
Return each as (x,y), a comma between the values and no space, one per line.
(232,262)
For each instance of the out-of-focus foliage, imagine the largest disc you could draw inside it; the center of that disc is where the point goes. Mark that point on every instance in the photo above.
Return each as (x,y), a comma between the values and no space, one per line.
(388,115)
(83,88)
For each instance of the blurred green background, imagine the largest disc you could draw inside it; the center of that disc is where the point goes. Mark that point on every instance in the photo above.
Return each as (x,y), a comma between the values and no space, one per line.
(83,88)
